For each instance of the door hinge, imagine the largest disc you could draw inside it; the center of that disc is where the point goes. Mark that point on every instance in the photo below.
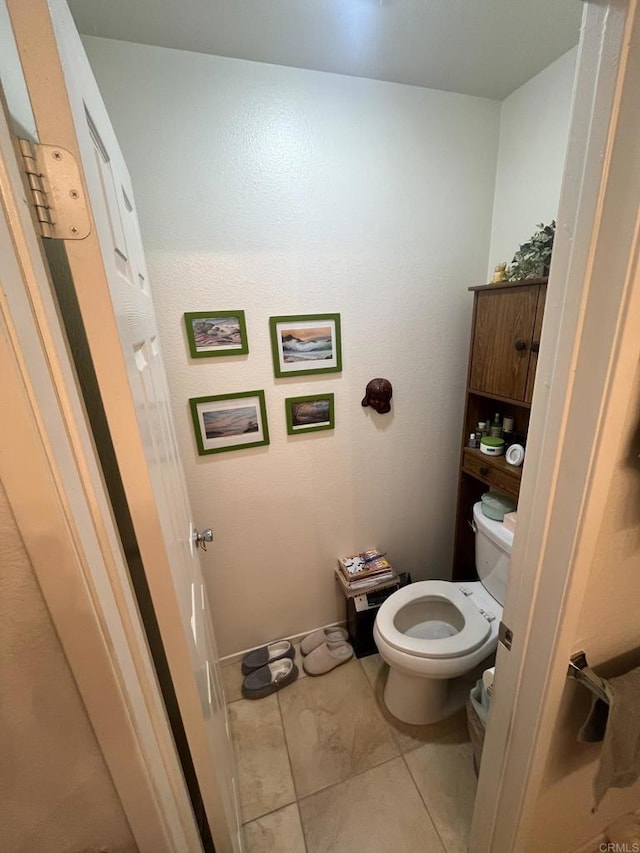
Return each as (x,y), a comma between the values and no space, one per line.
(56,190)
(505,635)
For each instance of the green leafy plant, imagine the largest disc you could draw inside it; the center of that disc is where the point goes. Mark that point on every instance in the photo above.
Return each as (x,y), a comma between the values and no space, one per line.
(533,258)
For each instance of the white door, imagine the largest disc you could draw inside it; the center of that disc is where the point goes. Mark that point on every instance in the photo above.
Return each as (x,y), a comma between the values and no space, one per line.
(114,295)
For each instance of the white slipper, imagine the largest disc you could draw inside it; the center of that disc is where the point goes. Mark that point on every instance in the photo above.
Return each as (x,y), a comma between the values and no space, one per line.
(331,636)
(324,658)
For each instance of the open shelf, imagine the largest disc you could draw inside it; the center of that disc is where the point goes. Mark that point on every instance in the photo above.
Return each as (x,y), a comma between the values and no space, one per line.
(505,340)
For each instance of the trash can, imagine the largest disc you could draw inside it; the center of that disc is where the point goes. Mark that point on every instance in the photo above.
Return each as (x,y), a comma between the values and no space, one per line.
(477,713)
(361,614)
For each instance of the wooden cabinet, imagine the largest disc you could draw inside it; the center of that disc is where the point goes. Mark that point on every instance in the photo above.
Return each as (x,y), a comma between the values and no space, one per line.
(535,343)
(505,338)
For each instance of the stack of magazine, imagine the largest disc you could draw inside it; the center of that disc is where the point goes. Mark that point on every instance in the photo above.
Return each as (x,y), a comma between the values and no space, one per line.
(358,573)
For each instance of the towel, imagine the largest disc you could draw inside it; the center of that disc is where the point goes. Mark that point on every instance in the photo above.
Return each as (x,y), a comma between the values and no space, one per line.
(619,725)
(594,727)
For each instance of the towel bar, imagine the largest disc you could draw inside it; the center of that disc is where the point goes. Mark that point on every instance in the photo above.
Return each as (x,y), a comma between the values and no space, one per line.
(577,666)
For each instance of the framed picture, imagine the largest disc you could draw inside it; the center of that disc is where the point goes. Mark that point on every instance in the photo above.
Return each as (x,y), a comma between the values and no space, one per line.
(309,414)
(229,421)
(306,343)
(212,333)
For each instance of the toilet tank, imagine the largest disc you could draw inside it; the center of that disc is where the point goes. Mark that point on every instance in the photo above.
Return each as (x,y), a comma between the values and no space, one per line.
(493,553)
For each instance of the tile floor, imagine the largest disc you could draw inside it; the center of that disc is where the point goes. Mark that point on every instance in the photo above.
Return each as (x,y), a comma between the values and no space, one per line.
(324,768)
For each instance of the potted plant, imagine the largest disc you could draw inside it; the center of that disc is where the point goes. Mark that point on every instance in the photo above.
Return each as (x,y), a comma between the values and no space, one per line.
(533,258)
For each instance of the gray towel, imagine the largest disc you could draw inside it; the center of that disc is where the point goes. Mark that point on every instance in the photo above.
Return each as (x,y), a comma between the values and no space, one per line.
(619,724)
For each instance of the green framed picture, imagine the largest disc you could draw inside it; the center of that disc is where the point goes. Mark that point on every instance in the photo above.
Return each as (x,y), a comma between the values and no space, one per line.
(212,333)
(229,421)
(306,343)
(309,414)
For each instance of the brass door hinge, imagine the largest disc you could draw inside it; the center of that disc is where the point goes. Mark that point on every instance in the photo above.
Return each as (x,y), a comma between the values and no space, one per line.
(56,189)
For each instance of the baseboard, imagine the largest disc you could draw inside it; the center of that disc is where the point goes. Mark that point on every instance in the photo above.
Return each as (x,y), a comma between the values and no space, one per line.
(236,657)
(593,845)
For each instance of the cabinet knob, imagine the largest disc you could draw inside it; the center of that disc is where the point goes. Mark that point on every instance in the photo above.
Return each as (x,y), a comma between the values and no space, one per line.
(484,471)
(520,345)
(535,346)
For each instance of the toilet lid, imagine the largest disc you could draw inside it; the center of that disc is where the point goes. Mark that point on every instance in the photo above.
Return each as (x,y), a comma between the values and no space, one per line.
(474,632)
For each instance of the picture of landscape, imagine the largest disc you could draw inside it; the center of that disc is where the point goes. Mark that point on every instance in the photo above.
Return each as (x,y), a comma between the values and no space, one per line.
(310,344)
(213,333)
(229,421)
(311,413)
(306,343)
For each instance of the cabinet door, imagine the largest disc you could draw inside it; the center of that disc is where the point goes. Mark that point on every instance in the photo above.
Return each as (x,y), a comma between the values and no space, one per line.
(535,344)
(504,325)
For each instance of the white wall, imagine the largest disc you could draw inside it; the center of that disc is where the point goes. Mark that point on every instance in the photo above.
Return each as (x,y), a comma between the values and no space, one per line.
(534,127)
(277,190)
(13,86)
(55,789)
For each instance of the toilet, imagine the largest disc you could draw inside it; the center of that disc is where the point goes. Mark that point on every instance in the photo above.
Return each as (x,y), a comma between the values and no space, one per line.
(432,632)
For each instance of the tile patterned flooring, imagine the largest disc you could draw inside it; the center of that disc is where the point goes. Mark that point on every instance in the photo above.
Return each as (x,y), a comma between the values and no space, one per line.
(324,768)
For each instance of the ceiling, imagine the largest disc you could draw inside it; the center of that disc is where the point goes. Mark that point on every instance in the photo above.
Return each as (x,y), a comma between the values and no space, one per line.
(476,47)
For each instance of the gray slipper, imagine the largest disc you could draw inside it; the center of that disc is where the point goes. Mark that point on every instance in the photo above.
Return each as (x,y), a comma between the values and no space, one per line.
(267,654)
(332,636)
(325,658)
(263,682)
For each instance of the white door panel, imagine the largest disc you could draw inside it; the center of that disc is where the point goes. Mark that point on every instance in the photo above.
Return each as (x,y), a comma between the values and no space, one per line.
(114,295)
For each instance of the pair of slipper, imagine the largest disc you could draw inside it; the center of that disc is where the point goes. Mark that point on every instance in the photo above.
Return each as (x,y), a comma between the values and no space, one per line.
(324,650)
(271,667)
(268,669)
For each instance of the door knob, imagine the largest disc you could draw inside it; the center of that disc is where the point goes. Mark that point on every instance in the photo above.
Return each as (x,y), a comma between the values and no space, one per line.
(520,345)
(200,539)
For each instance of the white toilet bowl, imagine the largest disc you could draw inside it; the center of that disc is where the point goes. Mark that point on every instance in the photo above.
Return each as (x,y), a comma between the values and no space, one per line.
(430,633)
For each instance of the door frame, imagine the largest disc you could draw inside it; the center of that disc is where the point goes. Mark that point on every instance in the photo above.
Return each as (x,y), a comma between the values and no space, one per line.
(588,358)
(71,538)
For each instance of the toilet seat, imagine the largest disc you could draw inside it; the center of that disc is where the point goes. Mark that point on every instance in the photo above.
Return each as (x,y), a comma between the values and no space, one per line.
(473,634)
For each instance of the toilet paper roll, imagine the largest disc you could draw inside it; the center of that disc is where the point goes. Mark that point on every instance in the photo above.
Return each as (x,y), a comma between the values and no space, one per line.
(515,454)
(487,679)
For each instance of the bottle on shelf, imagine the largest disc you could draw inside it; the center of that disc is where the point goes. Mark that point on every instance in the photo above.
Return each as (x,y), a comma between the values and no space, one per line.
(482,430)
(496,426)
(474,441)
(507,431)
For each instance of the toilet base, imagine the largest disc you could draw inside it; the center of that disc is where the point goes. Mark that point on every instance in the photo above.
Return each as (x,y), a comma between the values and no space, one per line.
(421,701)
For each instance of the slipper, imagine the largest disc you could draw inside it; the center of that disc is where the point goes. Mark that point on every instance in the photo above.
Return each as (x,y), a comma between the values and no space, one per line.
(267,654)
(325,658)
(331,636)
(268,679)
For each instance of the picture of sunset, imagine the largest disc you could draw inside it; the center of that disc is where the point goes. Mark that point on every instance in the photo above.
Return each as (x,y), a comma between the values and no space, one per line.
(306,343)
(310,344)
(230,422)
